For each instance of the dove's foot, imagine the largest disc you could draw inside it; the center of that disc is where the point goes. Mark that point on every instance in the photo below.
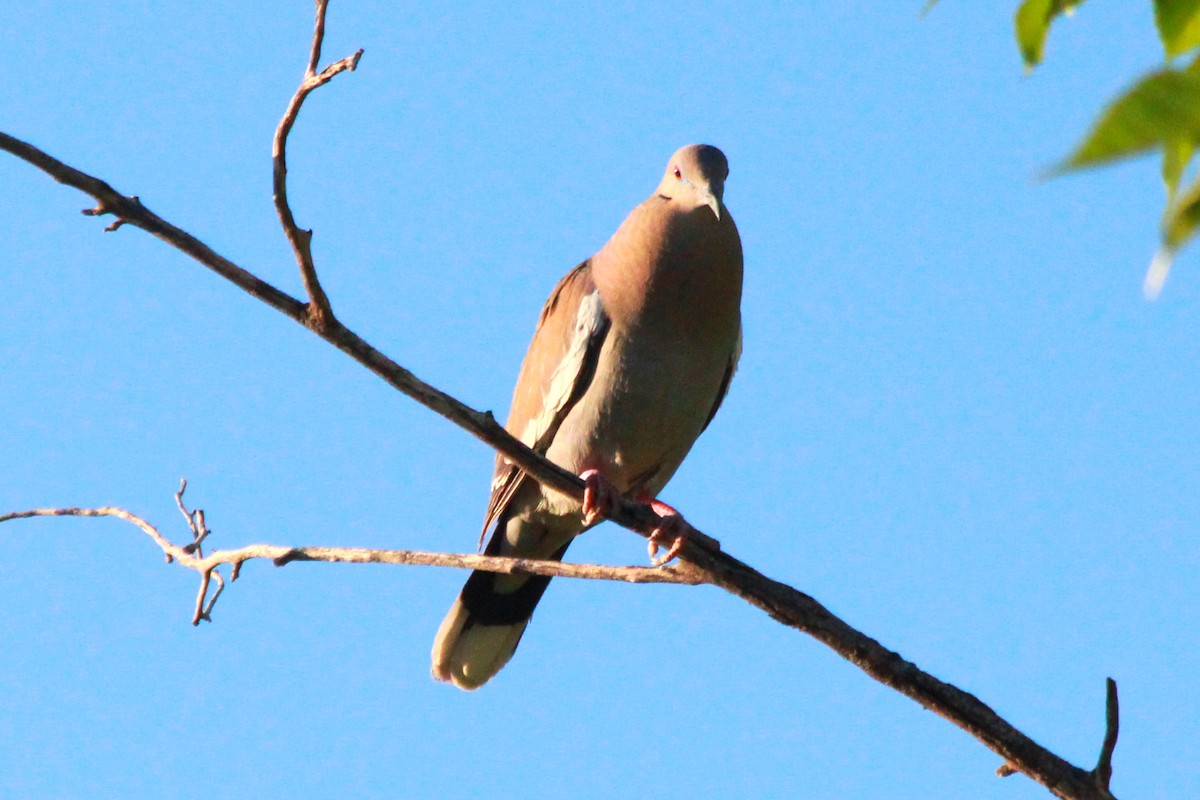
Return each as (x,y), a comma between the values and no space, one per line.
(672,532)
(600,497)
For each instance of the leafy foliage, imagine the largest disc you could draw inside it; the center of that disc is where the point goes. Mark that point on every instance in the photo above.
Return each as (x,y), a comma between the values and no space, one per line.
(1178,25)
(1160,111)
(1032,22)
(1176,155)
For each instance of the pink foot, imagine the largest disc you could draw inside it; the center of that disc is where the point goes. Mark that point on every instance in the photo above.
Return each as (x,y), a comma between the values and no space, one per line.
(673,528)
(600,497)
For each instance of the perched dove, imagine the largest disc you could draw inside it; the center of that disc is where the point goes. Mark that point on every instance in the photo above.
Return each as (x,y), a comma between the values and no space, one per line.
(632,356)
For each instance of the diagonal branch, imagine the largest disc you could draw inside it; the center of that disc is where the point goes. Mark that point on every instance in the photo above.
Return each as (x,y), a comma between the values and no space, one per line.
(704,560)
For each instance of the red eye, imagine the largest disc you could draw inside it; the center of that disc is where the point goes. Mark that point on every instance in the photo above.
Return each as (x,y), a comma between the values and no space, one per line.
(678,174)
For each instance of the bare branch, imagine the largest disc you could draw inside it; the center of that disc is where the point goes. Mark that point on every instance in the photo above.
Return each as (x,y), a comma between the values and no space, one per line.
(190,557)
(187,515)
(280,555)
(130,210)
(320,313)
(195,523)
(201,612)
(1112,727)
(314,55)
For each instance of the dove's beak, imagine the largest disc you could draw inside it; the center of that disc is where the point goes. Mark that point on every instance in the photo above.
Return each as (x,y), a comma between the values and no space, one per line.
(713,202)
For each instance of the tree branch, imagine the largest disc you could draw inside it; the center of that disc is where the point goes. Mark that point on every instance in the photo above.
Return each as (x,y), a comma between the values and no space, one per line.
(320,313)
(704,561)
(1102,774)
(190,556)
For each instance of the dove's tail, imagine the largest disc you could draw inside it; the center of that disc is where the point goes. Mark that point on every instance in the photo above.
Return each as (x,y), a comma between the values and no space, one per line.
(485,625)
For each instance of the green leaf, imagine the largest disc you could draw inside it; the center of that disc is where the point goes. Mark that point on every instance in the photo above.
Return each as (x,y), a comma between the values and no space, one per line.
(1178,25)
(1182,218)
(1162,107)
(1176,155)
(1032,23)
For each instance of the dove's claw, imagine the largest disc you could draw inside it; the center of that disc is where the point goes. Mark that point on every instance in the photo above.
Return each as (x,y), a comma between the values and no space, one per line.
(672,532)
(599,497)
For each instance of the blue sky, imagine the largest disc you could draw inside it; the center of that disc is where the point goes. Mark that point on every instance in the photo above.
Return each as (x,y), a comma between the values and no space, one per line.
(956,423)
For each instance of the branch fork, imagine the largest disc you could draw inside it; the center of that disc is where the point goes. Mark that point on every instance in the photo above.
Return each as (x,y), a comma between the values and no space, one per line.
(191,555)
(107,206)
(319,314)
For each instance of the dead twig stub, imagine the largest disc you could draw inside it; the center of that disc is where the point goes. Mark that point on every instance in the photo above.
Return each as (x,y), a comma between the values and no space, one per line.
(1112,728)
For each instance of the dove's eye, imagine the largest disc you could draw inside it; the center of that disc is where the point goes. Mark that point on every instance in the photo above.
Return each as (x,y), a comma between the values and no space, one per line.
(678,174)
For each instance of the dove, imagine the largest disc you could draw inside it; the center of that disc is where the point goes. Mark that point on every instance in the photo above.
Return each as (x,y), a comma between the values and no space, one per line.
(633,354)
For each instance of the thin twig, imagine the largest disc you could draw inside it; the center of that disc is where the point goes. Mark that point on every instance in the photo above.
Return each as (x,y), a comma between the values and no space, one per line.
(207,566)
(314,54)
(205,576)
(187,515)
(320,313)
(281,555)
(204,610)
(195,523)
(1112,728)
(200,528)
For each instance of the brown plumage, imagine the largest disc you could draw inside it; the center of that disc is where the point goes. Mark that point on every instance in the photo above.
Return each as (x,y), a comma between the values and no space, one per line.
(632,356)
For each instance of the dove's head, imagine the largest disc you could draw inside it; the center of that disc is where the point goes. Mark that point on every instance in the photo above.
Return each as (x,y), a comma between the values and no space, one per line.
(696,174)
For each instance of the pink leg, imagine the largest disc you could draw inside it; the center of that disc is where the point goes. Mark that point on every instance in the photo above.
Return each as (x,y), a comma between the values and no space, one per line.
(600,500)
(599,496)
(673,528)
